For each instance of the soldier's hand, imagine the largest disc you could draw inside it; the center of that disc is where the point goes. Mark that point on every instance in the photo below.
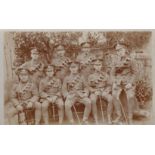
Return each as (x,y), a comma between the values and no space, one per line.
(19,108)
(31,69)
(83,94)
(29,105)
(70,95)
(128,86)
(97,93)
(52,99)
(44,95)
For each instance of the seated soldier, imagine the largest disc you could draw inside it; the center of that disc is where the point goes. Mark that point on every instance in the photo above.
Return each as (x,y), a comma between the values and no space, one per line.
(100,86)
(24,96)
(50,93)
(75,90)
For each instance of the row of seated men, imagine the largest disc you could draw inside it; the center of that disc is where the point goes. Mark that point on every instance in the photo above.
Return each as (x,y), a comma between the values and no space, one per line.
(65,82)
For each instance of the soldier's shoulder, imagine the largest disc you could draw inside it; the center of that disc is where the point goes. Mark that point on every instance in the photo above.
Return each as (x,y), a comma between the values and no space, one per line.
(91,75)
(56,61)
(43,80)
(79,57)
(82,77)
(15,85)
(31,84)
(56,79)
(26,64)
(68,59)
(67,77)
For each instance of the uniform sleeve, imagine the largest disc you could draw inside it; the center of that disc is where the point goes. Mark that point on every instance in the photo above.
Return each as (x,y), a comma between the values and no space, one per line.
(89,84)
(133,71)
(41,89)
(108,79)
(59,87)
(14,91)
(115,63)
(64,87)
(14,97)
(59,84)
(41,67)
(24,65)
(35,90)
(35,94)
(85,84)
(89,80)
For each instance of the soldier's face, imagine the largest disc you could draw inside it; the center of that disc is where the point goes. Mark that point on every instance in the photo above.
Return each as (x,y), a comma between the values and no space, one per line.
(74,69)
(98,67)
(23,77)
(50,73)
(85,49)
(34,56)
(61,53)
(121,52)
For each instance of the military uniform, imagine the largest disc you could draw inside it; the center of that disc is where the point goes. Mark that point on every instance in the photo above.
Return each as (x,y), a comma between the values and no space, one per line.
(123,79)
(23,96)
(75,90)
(85,58)
(100,86)
(61,64)
(50,92)
(35,68)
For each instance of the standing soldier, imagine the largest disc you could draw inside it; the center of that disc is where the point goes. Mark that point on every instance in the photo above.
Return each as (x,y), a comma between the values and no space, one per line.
(123,79)
(85,58)
(100,86)
(75,90)
(35,66)
(50,93)
(24,96)
(61,62)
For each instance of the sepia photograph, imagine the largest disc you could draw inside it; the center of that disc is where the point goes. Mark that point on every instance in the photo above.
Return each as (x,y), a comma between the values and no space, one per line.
(78,77)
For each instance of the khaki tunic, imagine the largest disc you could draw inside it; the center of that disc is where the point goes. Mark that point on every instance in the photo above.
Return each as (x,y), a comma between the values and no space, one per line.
(21,95)
(75,84)
(50,87)
(62,66)
(35,69)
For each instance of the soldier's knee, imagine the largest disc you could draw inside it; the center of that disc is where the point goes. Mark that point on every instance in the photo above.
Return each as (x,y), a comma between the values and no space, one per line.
(93,98)
(87,101)
(68,104)
(115,96)
(109,98)
(37,105)
(60,103)
(11,110)
(45,105)
(130,95)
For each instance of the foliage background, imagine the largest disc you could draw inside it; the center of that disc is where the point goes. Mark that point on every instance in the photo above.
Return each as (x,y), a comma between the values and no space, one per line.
(22,42)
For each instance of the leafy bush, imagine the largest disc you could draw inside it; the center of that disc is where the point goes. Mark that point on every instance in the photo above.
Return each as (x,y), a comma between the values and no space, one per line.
(143,91)
(46,41)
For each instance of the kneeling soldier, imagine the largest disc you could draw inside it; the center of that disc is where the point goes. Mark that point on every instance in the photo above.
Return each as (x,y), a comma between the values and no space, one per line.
(100,86)
(75,90)
(24,96)
(50,93)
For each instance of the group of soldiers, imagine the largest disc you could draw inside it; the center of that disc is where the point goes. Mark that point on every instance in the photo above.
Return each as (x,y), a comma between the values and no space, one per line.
(65,82)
